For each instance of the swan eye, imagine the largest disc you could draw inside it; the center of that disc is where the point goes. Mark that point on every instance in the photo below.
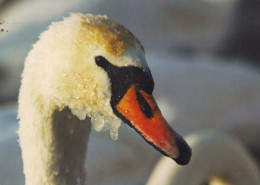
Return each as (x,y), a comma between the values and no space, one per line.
(144,106)
(101,62)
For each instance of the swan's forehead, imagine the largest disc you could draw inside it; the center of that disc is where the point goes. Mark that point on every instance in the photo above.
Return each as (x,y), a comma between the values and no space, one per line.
(131,57)
(102,32)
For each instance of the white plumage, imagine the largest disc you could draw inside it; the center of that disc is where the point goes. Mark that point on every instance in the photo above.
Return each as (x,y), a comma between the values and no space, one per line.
(62,84)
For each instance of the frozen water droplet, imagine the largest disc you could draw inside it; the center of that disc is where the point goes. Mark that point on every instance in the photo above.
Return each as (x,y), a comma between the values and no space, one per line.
(115,124)
(98,122)
(114,134)
(81,114)
(106,122)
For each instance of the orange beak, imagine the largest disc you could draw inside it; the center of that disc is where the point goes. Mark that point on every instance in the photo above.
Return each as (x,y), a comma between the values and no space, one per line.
(141,110)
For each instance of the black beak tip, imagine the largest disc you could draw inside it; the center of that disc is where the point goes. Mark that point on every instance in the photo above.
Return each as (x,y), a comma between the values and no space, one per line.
(184,151)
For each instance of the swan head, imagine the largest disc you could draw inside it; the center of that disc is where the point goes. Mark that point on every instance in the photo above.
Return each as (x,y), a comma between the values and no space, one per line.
(97,68)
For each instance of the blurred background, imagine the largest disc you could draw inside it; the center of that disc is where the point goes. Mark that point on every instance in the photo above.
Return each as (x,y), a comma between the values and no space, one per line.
(204,56)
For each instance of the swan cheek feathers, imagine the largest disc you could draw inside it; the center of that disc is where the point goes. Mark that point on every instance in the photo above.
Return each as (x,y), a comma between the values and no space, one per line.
(88,93)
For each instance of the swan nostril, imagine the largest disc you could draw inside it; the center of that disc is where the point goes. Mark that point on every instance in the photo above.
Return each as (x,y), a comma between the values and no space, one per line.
(144,106)
(184,152)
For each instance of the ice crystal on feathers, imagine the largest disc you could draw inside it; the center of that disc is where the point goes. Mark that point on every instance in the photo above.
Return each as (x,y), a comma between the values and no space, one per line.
(102,122)
(80,113)
(98,122)
(114,129)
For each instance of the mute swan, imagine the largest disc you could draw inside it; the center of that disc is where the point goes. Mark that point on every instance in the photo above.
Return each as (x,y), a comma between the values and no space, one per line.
(216,158)
(86,66)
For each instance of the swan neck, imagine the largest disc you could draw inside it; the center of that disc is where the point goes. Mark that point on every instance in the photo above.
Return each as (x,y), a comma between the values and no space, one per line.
(54,147)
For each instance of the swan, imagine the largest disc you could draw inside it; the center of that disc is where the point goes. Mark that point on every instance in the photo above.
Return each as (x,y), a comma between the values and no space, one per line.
(217,159)
(86,69)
